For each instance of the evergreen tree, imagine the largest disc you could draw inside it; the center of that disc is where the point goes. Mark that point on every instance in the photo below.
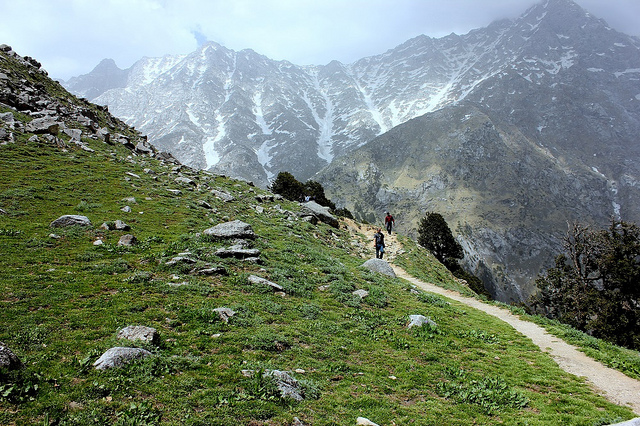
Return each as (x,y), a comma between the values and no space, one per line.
(434,234)
(595,284)
(287,186)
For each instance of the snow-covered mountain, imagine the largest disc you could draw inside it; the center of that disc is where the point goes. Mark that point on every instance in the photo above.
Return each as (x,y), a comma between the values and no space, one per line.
(243,114)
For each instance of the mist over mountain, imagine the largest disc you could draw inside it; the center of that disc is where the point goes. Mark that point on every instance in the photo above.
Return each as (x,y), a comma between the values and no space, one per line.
(523,125)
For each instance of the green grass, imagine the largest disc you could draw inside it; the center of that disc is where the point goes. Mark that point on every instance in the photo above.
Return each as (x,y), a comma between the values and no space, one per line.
(63,300)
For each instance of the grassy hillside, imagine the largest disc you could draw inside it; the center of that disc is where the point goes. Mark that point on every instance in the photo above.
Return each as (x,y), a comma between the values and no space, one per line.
(64,299)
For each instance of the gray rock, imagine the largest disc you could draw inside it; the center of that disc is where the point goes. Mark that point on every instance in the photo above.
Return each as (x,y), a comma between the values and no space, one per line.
(419,321)
(234,229)
(185,181)
(45,125)
(321,212)
(8,119)
(175,191)
(238,251)
(70,220)
(361,293)
(139,332)
(379,265)
(126,209)
(8,359)
(632,422)
(254,279)
(119,356)
(224,313)
(204,204)
(74,134)
(363,421)
(127,240)
(286,384)
(180,259)
(121,226)
(216,270)
(223,195)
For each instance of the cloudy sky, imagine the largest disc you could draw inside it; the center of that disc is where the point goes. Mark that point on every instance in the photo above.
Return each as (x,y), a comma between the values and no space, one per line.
(70,37)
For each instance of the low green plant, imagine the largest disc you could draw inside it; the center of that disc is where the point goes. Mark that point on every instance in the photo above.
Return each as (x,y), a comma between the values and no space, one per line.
(490,394)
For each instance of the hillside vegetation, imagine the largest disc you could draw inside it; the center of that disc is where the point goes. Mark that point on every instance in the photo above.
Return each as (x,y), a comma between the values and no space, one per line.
(63,300)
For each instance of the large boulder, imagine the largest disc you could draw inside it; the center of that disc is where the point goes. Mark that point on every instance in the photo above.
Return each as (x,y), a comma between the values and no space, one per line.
(233,229)
(45,125)
(322,213)
(70,220)
(8,359)
(119,356)
(380,266)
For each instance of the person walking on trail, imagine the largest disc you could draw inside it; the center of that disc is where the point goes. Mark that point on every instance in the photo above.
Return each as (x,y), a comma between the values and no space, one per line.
(378,239)
(389,222)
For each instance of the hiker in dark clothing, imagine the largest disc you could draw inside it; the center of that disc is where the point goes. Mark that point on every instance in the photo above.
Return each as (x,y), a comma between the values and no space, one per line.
(389,222)
(378,239)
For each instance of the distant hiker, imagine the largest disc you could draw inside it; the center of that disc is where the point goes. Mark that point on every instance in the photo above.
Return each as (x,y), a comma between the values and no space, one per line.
(378,239)
(389,222)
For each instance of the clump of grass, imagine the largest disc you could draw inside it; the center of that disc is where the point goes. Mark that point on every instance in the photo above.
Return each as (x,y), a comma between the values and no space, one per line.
(490,394)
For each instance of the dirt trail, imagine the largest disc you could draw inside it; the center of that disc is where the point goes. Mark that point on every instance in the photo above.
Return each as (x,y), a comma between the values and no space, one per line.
(612,384)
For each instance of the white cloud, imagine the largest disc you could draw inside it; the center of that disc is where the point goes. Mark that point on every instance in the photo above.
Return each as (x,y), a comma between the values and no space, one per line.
(70,37)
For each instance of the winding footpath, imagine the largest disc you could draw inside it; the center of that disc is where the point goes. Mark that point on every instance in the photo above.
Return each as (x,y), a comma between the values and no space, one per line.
(612,384)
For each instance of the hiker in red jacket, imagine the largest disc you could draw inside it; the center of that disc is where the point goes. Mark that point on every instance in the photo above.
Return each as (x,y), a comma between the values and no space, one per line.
(389,222)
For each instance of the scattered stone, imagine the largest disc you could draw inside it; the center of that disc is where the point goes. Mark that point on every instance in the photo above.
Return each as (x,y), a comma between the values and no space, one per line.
(379,265)
(419,321)
(127,240)
(119,356)
(322,213)
(234,229)
(204,204)
(133,175)
(287,385)
(45,125)
(8,359)
(121,226)
(2,211)
(139,332)
(264,198)
(223,195)
(98,242)
(175,191)
(239,251)
(70,220)
(217,270)
(185,181)
(254,279)
(224,313)
(361,293)
(74,134)
(180,259)
(365,422)
(126,209)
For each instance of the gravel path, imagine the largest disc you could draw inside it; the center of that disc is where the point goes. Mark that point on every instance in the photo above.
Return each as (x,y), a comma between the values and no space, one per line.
(610,383)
